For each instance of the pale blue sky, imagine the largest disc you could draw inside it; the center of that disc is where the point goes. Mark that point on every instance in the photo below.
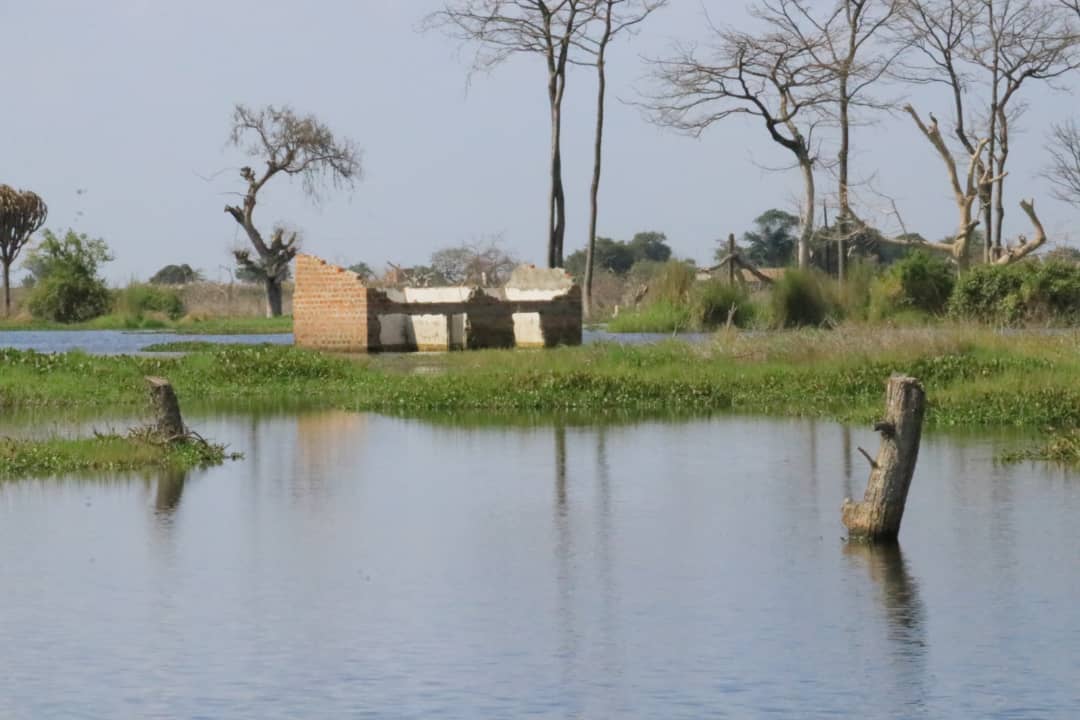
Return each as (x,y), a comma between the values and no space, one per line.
(130,101)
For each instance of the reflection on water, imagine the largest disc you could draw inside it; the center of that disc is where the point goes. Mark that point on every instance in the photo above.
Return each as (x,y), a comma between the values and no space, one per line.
(170,488)
(358,565)
(904,617)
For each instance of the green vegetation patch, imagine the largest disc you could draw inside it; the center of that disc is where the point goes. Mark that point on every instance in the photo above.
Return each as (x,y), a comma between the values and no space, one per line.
(973,378)
(1063,448)
(104,453)
(184,326)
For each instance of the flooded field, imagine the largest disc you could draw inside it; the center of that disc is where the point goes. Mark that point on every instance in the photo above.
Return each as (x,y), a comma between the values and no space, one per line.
(356,565)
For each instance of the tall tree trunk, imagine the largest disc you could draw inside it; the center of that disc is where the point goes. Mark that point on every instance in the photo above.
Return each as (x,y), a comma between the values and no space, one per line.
(999,203)
(556,197)
(273,297)
(7,289)
(843,223)
(986,198)
(594,190)
(807,232)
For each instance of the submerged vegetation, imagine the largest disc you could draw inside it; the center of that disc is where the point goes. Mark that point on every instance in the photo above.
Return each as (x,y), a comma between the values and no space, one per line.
(104,453)
(1062,447)
(972,377)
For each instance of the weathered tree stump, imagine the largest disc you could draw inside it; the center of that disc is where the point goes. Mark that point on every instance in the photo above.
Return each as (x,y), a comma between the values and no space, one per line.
(879,514)
(168,424)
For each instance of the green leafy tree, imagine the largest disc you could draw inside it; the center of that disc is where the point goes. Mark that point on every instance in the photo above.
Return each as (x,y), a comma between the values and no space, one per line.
(363,270)
(245,273)
(176,275)
(67,286)
(618,257)
(650,245)
(773,243)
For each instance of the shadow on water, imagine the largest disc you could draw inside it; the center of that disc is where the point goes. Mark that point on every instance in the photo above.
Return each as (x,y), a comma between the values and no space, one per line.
(905,614)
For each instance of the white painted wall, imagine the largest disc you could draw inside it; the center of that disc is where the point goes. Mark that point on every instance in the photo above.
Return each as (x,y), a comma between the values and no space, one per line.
(527,330)
(430,332)
(437,294)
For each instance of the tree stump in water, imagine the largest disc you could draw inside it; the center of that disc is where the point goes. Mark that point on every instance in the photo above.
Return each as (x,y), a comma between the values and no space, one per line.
(167,424)
(878,516)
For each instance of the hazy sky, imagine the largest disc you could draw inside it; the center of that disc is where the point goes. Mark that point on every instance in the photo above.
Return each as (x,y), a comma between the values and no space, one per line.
(117,112)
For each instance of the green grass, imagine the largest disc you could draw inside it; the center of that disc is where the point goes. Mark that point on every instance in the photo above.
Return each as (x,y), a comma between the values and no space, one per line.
(974,378)
(102,453)
(189,346)
(657,317)
(185,325)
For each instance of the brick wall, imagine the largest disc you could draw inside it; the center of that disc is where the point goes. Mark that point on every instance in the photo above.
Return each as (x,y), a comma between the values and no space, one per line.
(329,307)
(332,310)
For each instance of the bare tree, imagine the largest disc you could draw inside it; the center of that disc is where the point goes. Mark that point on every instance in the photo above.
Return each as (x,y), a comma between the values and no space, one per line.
(292,145)
(995,45)
(842,42)
(772,76)
(21,215)
(964,194)
(1064,170)
(1024,40)
(612,17)
(551,29)
(481,262)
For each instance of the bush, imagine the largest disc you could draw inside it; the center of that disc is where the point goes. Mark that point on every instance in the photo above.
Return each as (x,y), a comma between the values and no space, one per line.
(714,299)
(137,300)
(67,297)
(855,293)
(67,287)
(919,283)
(1020,292)
(672,282)
(657,316)
(800,299)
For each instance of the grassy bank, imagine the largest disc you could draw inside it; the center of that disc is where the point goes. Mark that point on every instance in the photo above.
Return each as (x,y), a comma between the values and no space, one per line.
(973,377)
(185,326)
(102,453)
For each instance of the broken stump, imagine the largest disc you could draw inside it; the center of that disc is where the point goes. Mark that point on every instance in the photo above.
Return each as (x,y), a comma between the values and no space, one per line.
(879,514)
(167,422)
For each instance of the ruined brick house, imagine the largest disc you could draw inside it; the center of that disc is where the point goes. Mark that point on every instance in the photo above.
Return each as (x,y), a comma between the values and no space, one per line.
(334,310)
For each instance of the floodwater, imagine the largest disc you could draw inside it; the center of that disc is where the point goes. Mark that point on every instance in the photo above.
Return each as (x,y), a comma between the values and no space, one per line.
(357,565)
(121,342)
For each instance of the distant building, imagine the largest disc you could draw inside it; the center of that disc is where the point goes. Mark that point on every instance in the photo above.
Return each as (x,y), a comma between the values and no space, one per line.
(334,310)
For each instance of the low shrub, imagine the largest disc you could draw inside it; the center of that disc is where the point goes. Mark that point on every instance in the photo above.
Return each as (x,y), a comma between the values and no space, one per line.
(918,283)
(656,316)
(1018,293)
(68,297)
(855,292)
(713,301)
(800,298)
(137,300)
(672,282)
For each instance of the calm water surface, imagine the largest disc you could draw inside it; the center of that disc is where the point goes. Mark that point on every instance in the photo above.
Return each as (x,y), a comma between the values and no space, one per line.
(120,342)
(362,566)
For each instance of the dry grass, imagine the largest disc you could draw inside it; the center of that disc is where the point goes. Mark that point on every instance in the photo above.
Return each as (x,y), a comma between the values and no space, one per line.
(206,300)
(201,300)
(855,342)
